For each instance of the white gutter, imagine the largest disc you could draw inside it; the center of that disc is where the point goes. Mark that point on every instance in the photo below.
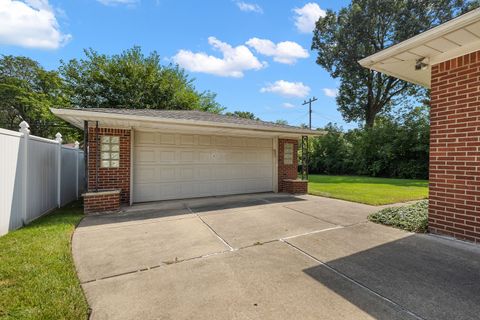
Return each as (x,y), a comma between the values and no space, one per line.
(96,115)
(429,35)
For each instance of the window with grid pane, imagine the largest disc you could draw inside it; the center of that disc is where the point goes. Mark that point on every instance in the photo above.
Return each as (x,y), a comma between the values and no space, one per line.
(110,152)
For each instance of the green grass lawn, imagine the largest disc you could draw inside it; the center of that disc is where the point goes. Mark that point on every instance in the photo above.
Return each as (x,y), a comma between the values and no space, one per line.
(374,191)
(37,275)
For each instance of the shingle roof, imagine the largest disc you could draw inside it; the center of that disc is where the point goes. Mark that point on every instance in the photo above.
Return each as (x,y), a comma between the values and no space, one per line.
(193,115)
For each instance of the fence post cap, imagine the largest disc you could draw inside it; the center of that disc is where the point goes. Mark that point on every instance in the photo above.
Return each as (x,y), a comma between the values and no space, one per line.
(58,137)
(77,145)
(24,127)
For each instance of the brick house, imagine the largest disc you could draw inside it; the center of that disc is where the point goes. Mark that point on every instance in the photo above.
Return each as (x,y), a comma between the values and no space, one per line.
(152,155)
(446,59)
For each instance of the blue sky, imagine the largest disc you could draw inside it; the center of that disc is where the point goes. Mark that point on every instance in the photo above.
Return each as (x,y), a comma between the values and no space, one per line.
(254,54)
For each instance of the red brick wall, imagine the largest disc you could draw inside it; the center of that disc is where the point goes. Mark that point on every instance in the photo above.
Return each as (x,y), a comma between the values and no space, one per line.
(101,203)
(110,178)
(455,148)
(295,186)
(286,171)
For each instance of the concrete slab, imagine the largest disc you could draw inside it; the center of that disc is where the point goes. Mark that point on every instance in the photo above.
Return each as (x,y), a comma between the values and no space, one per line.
(243,228)
(233,203)
(110,250)
(131,218)
(260,282)
(434,278)
(335,211)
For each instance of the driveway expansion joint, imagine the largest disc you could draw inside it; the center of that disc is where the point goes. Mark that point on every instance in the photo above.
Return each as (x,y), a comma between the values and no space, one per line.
(359,284)
(163,264)
(225,242)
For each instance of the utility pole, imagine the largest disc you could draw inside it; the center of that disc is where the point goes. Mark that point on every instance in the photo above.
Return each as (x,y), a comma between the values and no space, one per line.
(309,102)
(305,139)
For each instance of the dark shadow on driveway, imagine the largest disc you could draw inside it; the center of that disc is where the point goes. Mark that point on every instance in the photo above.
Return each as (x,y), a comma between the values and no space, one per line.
(433,278)
(224,205)
(184,208)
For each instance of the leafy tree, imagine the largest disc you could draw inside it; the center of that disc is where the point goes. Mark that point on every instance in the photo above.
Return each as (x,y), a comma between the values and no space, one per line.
(280,121)
(132,80)
(366,27)
(330,152)
(394,147)
(243,114)
(27,91)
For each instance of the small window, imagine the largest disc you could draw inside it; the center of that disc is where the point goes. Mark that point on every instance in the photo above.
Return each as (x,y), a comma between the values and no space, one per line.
(110,152)
(288,153)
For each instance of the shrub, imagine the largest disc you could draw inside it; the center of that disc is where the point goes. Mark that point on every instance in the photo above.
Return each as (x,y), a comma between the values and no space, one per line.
(394,148)
(412,217)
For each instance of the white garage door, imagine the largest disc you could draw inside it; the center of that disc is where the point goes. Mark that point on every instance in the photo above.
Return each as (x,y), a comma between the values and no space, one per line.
(175,166)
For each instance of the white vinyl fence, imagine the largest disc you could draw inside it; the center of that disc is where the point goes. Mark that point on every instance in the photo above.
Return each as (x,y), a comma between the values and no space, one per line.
(37,175)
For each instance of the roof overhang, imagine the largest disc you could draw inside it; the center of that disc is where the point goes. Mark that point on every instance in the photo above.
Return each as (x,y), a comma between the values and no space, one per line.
(77,117)
(452,39)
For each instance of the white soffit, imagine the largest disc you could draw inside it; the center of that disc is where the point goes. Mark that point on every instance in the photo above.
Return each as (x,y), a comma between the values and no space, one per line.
(452,39)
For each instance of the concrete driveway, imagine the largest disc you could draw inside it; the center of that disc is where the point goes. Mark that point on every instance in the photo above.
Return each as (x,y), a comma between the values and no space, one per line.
(269,256)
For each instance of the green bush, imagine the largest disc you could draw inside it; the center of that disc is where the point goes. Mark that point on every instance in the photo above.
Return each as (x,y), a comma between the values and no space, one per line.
(412,217)
(393,148)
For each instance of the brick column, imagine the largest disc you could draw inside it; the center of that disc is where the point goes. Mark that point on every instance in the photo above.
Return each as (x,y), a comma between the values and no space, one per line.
(110,178)
(454,208)
(286,171)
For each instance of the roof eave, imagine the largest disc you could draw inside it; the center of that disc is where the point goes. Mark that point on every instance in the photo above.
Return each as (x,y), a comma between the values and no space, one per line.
(426,36)
(91,115)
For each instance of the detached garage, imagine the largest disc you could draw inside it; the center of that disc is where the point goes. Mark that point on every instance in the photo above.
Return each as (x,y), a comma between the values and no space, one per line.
(153,155)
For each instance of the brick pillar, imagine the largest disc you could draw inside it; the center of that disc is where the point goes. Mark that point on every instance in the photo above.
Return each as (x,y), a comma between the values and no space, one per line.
(286,171)
(110,178)
(454,208)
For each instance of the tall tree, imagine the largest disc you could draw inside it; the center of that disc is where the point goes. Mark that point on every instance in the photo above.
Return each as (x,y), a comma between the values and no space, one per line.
(27,91)
(132,80)
(243,114)
(366,27)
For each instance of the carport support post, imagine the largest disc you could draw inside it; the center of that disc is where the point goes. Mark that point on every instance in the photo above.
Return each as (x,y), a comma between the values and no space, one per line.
(97,156)
(85,154)
(304,157)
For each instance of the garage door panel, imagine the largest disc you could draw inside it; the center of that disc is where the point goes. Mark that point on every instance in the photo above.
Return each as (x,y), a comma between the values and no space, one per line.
(173,166)
(204,140)
(168,139)
(146,155)
(166,156)
(145,138)
(187,140)
(188,156)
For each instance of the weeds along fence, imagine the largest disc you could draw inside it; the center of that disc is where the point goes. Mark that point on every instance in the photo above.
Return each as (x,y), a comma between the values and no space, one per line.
(37,175)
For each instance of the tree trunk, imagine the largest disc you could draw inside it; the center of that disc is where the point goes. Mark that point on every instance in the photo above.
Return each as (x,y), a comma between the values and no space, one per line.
(370,117)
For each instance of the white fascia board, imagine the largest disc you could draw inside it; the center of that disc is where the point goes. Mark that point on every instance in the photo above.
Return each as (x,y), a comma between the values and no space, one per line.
(68,114)
(427,36)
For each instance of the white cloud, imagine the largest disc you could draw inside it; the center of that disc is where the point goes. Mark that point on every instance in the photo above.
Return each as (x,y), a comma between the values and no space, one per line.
(30,24)
(287,105)
(307,16)
(330,92)
(234,62)
(284,52)
(287,89)
(118,2)
(249,7)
